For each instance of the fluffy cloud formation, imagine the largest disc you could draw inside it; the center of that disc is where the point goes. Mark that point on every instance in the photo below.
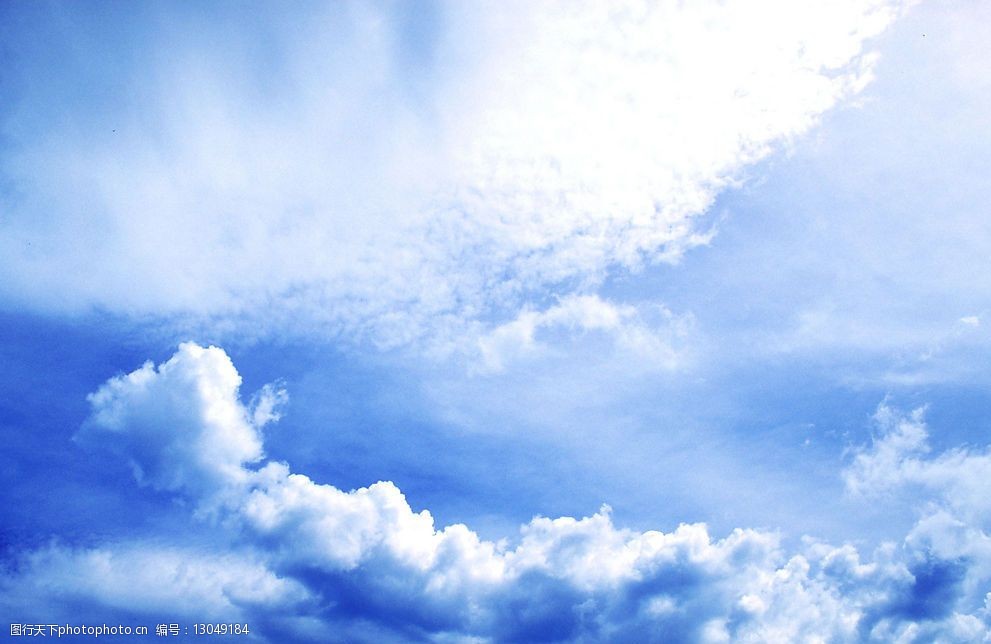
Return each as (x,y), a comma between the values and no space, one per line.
(899,458)
(953,530)
(181,425)
(397,177)
(365,556)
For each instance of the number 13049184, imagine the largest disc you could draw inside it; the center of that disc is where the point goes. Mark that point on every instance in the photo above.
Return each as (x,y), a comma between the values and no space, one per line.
(220,629)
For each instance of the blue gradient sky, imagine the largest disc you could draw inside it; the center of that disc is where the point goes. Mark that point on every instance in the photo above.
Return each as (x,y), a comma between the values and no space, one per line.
(497,259)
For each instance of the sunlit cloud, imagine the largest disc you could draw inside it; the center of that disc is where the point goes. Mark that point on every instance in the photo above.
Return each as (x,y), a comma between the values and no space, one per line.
(413,197)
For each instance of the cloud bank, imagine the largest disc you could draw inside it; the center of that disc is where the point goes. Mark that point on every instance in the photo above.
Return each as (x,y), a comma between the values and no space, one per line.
(355,171)
(339,561)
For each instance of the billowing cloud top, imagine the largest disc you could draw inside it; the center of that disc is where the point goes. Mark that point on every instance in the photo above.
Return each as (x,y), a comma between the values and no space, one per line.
(338,559)
(401,178)
(203,438)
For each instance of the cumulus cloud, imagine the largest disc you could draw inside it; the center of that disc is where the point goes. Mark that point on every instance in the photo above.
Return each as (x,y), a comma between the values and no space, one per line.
(949,544)
(400,179)
(899,458)
(368,557)
(181,425)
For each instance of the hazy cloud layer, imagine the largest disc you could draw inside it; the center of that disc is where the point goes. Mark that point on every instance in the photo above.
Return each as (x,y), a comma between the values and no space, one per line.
(397,177)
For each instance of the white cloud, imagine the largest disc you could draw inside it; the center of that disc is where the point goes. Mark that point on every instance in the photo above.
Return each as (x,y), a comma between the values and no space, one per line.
(181,425)
(899,458)
(950,542)
(144,578)
(398,200)
(652,341)
(368,557)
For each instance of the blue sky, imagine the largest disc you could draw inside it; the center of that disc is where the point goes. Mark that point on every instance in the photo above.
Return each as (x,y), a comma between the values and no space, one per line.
(497,323)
